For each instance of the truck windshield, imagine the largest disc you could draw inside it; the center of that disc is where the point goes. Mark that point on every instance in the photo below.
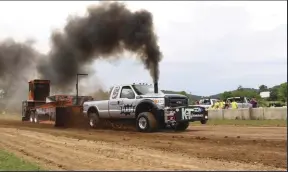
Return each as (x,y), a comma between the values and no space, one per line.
(205,102)
(144,89)
(237,99)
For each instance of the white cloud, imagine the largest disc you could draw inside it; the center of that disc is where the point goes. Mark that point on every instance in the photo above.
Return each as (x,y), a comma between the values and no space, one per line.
(208,47)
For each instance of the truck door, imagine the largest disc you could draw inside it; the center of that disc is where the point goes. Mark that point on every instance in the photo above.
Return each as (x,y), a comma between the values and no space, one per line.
(127,96)
(114,103)
(126,103)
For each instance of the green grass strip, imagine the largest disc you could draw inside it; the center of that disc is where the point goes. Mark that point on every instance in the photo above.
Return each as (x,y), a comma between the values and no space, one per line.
(9,162)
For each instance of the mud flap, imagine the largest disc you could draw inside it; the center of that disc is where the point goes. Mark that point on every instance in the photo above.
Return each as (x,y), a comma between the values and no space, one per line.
(70,116)
(61,116)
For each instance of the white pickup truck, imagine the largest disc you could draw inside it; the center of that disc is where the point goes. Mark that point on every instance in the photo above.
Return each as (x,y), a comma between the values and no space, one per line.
(207,103)
(242,102)
(151,109)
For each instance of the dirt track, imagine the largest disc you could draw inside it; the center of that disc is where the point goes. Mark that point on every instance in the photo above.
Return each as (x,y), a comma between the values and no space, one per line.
(200,148)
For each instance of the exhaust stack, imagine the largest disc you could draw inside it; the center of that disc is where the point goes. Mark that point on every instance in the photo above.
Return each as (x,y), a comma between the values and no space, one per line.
(156,87)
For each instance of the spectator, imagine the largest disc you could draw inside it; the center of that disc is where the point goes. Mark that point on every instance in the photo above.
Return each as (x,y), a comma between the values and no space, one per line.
(221,104)
(234,104)
(211,107)
(227,104)
(254,103)
(217,104)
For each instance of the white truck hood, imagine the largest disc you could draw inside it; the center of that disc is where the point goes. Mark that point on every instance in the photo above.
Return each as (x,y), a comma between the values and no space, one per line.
(155,95)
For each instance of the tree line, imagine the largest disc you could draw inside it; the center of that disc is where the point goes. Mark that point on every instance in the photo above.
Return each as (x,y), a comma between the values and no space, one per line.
(278,93)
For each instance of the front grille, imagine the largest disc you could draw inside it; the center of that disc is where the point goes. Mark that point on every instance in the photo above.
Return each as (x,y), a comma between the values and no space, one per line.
(176,101)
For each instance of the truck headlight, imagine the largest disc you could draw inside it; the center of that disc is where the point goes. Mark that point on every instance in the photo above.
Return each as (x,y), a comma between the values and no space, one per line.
(159,101)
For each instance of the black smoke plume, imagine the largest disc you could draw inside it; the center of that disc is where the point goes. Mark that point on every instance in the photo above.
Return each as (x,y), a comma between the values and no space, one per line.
(107,30)
(17,67)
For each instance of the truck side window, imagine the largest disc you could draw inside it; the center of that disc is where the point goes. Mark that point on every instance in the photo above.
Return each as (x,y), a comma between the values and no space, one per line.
(248,100)
(115,92)
(127,92)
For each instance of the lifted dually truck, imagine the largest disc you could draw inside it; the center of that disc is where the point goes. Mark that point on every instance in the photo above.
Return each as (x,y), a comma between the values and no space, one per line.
(151,110)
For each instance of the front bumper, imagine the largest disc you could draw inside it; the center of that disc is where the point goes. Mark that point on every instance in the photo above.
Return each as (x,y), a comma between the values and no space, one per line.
(181,114)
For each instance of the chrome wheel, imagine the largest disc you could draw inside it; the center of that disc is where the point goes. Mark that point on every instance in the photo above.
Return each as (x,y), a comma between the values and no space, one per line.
(142,122)
(91,122)
(35,119)
(31,118)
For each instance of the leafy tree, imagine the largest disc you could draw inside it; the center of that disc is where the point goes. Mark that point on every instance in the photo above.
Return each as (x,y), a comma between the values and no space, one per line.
(263,88)
(226,95)
(240,87)
(273,93)
(183,93)
(188,95)
(282,92)
(241,92)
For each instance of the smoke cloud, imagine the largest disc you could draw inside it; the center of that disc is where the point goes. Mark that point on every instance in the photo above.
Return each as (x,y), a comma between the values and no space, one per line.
(104,33)
(107,30)
(17,66)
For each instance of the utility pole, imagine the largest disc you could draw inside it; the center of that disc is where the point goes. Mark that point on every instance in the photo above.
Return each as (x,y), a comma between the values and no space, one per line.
(78,74)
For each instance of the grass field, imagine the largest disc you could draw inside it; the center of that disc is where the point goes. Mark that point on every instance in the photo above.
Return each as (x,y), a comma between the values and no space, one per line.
(256,123)
(9,162)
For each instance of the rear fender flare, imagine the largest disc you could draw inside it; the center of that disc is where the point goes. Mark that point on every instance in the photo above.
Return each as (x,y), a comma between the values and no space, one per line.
(91,108)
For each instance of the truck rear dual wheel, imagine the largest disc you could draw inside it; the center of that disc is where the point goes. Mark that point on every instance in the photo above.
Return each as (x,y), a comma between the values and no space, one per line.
(146,122)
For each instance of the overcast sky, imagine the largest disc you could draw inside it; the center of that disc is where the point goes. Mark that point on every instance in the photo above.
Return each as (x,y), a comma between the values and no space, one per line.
(208,47)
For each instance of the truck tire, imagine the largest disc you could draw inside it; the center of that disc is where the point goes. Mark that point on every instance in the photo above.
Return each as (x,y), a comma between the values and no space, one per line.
(146,122)
(32,115)
(181,126)
(94,119)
